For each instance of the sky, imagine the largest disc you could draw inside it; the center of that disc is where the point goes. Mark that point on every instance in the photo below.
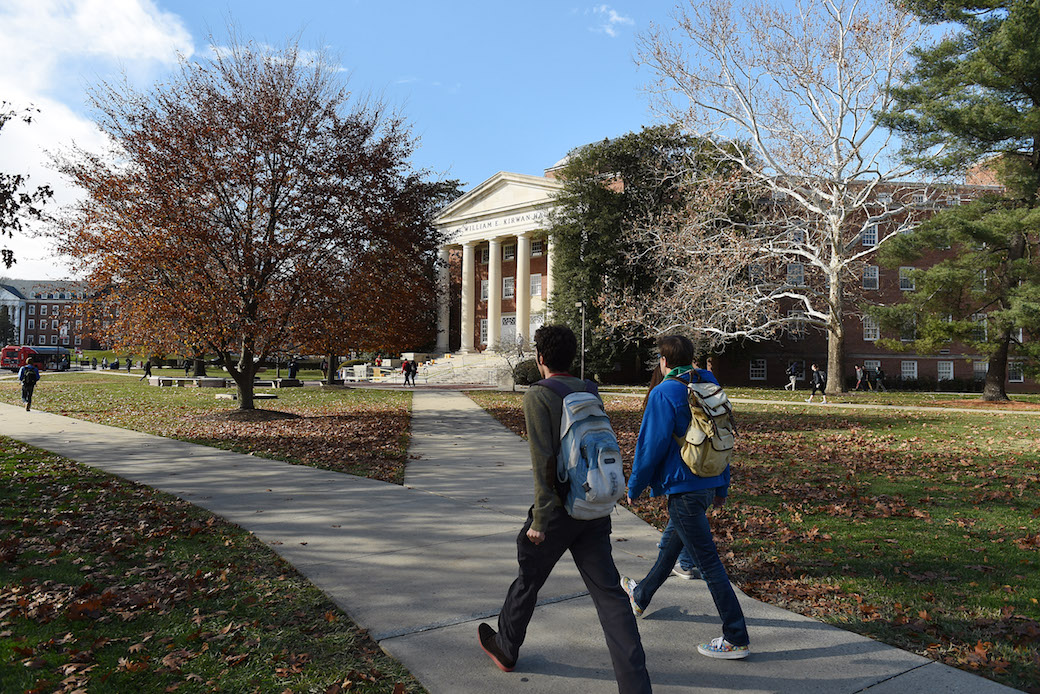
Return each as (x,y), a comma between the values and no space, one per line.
(487,86)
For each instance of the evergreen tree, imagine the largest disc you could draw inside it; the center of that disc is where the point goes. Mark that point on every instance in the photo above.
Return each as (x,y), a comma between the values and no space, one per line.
(973,100)
(607,187)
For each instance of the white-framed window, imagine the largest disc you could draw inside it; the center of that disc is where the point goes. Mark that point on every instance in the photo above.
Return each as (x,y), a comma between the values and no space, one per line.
(884,198)
(871,329)
(796,331)
(980,331)
(485,255)
(945,370)
(918,199)
(953,199)
(979,369)
(79,325)
(43,309)
(1019,335)
(908,227)
(30,339)
(1016,372)
(757,370)
(65,340)
(871,366)
(906,279)
(32,324)
(78,340)
(483,331)
(536,285)
(508,287)
(871,277)
(796,274)
(870,235)
(485,289)
(32,309)
(908,331)
(54,339)
(509,252)
(54,325)
(537,249)
(908,369)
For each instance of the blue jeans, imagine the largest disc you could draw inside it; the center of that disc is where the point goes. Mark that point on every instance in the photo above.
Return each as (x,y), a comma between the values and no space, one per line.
(687,511)
(686,561)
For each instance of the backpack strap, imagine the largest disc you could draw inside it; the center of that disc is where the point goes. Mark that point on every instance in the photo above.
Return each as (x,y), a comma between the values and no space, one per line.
(563,390)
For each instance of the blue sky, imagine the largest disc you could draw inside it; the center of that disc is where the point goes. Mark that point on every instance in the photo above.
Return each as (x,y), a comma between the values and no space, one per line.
(487,86)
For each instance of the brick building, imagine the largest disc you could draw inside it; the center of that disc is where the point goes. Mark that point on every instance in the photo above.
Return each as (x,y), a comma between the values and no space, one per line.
(46,312)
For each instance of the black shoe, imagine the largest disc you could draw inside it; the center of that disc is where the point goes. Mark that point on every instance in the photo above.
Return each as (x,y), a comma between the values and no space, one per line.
(490,646)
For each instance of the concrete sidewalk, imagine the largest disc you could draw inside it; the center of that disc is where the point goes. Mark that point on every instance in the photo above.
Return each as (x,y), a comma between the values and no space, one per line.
(421,565)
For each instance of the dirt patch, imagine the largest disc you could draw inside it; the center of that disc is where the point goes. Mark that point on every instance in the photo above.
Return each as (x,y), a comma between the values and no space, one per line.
(250,416)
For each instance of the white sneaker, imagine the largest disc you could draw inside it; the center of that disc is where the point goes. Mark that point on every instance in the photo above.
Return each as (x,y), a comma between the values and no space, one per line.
(721,648)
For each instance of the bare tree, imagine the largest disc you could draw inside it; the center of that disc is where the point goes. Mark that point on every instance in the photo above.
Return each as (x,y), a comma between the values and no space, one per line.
(788,96)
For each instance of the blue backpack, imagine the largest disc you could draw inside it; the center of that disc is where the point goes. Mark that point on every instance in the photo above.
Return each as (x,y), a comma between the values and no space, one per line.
(588,464)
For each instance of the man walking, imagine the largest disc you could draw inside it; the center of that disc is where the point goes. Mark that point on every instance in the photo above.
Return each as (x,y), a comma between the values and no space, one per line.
(28,375)
(550,531)
(792,376)
(819,383)
(658,464)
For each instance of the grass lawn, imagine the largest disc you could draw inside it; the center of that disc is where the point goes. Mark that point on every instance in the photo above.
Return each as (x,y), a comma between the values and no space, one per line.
(357,431)
(107,586)
(918,529)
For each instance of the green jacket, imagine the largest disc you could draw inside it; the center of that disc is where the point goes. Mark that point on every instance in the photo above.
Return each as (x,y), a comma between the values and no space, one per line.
(543,410)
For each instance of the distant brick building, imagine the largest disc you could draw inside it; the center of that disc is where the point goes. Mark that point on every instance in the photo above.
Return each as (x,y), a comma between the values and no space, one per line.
(46,312)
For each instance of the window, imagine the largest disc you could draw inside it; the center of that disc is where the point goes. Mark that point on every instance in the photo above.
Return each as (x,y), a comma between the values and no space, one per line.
(537,249)
(908,331)
(485,255)
(979,369)
(758,370)
(65,340)
(508,287)
(32,309)
(798,235)
(484,289)
(43,309)
(945,370)
(953,199)
(54,339)
(79,325)
(871,330)
(871,365)
(30,339)
(906,279)
(797,328)
(1016,374)
(1019,335)
(483,331)
(871,277)
(54,325)
(79,340)
(979,331)
(32,324)
(536,285)
(918,199)
(796,274)
(870,235)
(908,228)
(908,369)
(884,198)
(509,252)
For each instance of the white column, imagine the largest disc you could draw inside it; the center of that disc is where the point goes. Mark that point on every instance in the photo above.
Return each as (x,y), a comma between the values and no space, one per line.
(443,299)
(548,275)
(494,312)
(469,304)
(523,287)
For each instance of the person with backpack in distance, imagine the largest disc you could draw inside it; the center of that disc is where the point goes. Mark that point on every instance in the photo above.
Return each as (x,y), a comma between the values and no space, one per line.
(792,376)
(568,432)
(28,375)
(819,383)
(694,477)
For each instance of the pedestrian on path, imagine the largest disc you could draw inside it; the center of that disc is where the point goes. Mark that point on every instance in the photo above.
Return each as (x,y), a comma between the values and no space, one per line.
(406,369)
(862,381)
(414,368)
(147,369)
(792,376)
(550,531)
(29,376)
(659,465)
(819,383)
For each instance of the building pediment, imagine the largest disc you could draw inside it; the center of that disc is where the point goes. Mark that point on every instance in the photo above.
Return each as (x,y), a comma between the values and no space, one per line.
(506,203)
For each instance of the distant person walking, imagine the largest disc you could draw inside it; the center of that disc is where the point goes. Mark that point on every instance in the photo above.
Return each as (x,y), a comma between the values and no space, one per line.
(93,363)
(129,363)
(819,383)
(147,369)
(862,381)
(29,376)
(406,369)
(879,379)
(414,369)
(792,376)
(104,363)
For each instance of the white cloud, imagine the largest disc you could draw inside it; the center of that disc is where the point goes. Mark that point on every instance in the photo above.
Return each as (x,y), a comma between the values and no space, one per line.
(50,50)
(610,20)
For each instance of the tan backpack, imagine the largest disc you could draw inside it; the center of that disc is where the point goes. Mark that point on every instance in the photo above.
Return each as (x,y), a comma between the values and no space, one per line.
(707,447)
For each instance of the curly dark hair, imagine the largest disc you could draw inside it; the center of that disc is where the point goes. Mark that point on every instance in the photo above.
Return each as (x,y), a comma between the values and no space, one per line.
(557,346)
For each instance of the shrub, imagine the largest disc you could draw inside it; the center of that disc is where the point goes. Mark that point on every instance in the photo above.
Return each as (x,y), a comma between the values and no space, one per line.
(526,372)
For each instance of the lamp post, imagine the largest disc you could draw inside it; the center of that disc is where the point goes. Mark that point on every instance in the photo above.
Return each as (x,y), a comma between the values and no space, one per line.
(581,305)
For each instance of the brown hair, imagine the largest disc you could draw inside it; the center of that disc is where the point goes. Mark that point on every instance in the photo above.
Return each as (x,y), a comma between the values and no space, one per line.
(677,350)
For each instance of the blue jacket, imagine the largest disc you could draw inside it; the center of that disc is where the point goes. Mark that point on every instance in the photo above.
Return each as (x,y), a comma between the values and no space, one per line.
(658,464)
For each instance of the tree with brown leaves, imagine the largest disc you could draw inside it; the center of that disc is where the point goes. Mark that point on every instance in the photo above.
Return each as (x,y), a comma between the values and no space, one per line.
(231,195)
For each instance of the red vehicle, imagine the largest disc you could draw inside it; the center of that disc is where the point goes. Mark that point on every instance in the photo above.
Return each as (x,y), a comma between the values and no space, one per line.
(14,357)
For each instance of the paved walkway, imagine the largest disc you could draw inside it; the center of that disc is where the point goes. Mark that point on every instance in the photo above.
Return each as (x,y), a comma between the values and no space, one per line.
(420,565)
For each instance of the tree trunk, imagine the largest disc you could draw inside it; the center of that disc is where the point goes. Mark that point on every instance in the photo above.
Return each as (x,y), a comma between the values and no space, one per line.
(994,390)
(836,341)
(198,368)
(330,360)
(243,376)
